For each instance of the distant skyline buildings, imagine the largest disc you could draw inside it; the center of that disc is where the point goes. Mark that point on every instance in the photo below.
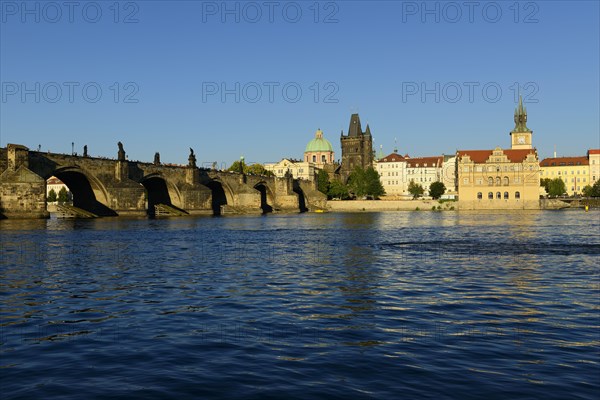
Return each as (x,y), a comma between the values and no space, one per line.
(166,76)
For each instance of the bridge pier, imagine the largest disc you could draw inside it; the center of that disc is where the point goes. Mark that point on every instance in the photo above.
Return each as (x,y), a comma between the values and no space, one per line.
(22,192)
(127,198)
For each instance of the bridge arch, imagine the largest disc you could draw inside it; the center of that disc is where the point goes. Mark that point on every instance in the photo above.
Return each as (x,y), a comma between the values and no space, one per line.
(160,191)
(88,192)
(302,197)
(222,195)
(267,199)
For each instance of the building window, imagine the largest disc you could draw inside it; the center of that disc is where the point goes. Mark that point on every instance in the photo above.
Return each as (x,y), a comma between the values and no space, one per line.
(490,181)
(498,195)
(466,181)
(506,181)
(479,195)
(479,181)
(505,195)
(517,195)
(497,181)
(314,158)
(323,159)
(491,196)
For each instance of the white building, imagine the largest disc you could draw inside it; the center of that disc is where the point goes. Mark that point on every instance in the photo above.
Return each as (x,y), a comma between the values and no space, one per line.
(594,161)
(449,176)
(53,183)
(298,169)
(424,171)
(392,174)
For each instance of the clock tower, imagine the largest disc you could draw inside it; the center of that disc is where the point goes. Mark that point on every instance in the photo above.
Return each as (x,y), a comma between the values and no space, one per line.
(521,134)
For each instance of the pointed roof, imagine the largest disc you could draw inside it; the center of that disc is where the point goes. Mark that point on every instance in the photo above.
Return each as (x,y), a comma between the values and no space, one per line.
(521,117)
(368,131)
(355,128)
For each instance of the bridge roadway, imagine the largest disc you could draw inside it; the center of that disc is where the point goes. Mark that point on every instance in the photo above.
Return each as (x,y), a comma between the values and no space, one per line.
(119,187)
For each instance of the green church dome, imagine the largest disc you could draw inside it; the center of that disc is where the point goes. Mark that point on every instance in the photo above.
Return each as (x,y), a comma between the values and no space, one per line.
(319,143)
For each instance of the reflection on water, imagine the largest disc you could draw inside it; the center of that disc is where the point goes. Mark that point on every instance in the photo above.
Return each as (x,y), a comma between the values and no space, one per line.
(422,304)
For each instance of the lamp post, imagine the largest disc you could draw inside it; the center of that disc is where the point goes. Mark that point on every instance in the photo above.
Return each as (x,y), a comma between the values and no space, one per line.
(72,148)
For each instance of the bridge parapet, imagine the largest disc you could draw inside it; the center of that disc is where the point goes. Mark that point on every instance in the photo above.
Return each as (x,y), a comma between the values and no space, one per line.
(111,187)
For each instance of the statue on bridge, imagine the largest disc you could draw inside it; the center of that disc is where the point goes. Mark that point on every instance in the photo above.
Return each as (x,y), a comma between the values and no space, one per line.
(85,154)
(192,159)
(121,153)
(157,158)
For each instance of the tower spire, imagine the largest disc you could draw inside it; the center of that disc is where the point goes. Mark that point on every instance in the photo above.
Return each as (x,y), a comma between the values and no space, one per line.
(521,117)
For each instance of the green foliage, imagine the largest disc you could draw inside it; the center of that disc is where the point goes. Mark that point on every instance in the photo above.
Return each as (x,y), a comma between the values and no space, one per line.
(587,191)
(52,196)
(545,182)
(374,186)
(63,197)
(436,190)
(254,169)
(323,181)
(338,190)
(235,167)
(556,187)
(365,182)
(415,189)
(592,191)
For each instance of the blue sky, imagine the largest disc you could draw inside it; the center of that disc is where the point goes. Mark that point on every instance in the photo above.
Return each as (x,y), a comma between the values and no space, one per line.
(426,73)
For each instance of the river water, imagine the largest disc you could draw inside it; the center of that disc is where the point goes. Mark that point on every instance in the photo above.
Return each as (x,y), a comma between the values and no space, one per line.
(415,305)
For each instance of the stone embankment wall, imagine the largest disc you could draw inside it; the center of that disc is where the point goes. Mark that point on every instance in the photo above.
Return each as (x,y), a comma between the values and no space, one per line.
(388,205)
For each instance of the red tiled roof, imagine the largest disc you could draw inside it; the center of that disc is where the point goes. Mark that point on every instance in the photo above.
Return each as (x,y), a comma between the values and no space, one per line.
(481,156)
(421,161)
(564,161)
(54,181)
(594,151)
(394,157)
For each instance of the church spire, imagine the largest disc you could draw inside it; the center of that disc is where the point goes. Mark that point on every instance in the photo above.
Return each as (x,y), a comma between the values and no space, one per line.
(521,117)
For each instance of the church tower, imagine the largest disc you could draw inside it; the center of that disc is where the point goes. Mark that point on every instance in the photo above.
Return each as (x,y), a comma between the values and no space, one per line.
(357,147)
(521,134)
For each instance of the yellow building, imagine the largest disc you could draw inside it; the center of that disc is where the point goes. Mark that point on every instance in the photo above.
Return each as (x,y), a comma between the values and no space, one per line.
(501,178)
(574,171)
(298,169)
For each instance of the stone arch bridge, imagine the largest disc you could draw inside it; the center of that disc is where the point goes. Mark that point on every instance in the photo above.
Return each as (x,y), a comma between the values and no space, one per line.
(119,187)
